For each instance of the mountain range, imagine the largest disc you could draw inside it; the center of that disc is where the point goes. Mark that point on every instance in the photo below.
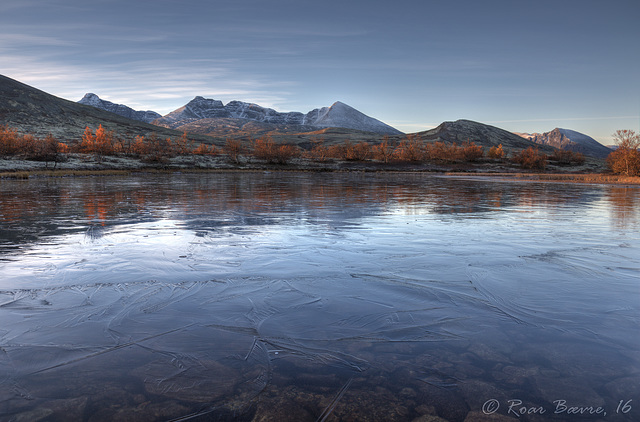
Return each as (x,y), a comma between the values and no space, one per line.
(569,140)
(206,116)
(119,109)
(30,110)
(33,111)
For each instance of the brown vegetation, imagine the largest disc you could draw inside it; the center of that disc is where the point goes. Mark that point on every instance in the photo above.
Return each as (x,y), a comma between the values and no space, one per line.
(496,153)
(30,147)
(318,151)
(234,150)
(530,158)
(204,149)
(410,149)
(266,149)
(383,151)
(567,158)
(626,158)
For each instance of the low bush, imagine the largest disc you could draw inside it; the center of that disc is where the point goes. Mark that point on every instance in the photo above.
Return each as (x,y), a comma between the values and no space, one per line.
(496,153)
(567,158)
(530,158)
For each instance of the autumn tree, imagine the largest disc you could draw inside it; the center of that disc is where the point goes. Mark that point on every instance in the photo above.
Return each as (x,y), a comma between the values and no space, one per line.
(496,153)
(103,142)
(318,151)
(183,145)
(471,152)
(339,151)
(9,141)
(383,151)
(567,158)
(158,149)
(266,149)
(204,149)
(626,158)
(139,146)
(410,149)
(233,149)
(359,151)
(122,145)
(438,151)
(88,141)
(531,158)
(47,150)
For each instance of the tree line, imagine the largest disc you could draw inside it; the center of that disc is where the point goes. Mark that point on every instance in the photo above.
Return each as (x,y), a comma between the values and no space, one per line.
(100,143)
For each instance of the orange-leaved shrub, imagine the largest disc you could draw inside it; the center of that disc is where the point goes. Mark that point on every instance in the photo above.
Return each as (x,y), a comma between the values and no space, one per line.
(266,149)
(626,158)
(530,158)
(496,153)
(383,151)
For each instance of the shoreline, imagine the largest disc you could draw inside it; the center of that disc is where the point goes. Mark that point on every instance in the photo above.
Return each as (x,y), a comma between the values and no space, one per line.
(82,166)
(586,178)
(583,178)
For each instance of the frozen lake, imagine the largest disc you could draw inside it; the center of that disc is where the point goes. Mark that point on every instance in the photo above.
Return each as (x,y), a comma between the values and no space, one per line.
(312,297)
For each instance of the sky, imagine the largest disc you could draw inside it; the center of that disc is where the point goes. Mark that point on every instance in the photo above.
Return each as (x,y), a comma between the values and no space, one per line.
(524,66)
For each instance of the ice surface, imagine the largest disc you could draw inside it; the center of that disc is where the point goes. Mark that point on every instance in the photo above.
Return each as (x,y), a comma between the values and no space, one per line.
(202,294)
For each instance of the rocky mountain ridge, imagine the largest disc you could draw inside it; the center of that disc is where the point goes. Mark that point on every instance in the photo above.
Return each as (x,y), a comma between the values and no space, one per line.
(119,109)
(338,115)
(569,140)
(32,111)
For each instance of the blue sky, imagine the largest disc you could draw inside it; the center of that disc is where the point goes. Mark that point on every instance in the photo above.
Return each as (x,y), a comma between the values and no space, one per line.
(527,66)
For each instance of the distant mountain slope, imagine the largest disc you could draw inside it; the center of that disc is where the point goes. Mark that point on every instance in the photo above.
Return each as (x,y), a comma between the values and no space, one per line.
(33,111)
(344,116)
(569,140)
(487,136)
(222,127)
(338,115)
(119,109)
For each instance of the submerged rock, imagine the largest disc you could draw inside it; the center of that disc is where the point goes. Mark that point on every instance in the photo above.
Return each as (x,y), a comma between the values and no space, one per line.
(71,409)
(143,413)
(429,418)
(574,391)
(204,383)
(477,416)
(624,388)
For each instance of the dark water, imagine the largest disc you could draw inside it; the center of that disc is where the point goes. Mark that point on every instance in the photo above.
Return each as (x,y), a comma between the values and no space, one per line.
(272,297)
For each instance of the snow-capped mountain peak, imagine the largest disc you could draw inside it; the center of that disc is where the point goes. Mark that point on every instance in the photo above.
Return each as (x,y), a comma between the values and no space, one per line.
(93,100)
(337,115)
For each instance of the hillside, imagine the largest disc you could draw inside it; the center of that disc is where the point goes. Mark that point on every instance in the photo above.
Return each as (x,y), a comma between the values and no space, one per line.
(487,136)
(33,111)
(570,140)
(210,116)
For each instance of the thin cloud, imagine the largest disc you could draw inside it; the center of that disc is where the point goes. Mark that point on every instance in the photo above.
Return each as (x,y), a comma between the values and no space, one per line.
(22,40)
(555,119)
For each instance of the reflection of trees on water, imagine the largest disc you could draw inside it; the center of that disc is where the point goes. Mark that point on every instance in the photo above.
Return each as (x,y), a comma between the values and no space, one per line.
(623,205)
(35,208)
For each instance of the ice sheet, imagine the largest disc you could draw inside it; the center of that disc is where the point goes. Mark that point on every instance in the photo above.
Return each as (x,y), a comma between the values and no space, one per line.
(146,295)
